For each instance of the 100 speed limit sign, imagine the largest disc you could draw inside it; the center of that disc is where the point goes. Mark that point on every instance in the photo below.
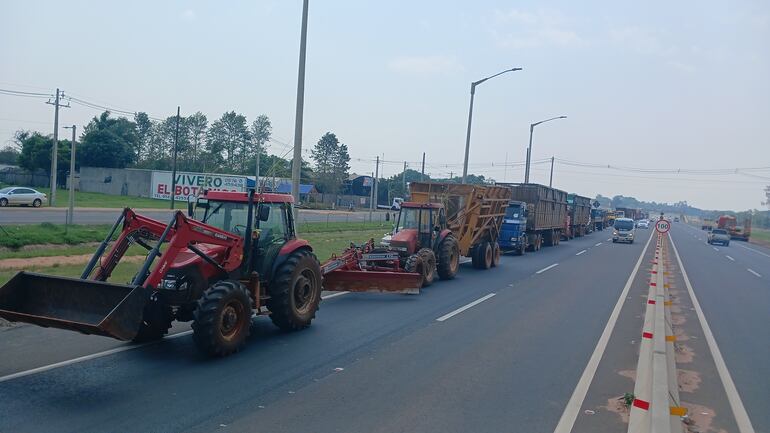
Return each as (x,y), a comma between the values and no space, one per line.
(662,226)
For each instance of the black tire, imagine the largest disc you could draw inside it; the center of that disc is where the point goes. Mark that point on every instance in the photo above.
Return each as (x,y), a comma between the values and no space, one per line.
(448,258)
(156,321)
(37,202)
(414,265)
(295,291)
(727,244)
(614,241)
(222,319)
(3,202)
(485,255)
(495,254)
(428,266)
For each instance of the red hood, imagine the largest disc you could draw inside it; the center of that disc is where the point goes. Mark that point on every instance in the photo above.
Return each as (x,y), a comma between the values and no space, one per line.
(187,257)
(406,238)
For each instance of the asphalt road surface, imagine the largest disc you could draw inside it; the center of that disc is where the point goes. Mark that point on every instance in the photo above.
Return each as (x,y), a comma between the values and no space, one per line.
(21,215)
(491,351)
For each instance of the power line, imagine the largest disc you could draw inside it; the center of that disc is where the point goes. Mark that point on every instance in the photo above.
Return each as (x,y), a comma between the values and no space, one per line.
(25,94)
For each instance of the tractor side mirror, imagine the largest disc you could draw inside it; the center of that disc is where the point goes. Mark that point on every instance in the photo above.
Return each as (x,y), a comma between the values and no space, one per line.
(264,213)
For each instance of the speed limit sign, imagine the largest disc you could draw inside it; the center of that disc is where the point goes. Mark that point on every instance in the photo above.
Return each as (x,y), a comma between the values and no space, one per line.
(662,226)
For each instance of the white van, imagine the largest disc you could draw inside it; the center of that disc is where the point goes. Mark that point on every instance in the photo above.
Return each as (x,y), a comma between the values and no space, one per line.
(624,230)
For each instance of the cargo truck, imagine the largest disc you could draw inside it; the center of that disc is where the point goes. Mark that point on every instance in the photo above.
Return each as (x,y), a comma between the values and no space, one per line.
(535,217)
(730,223)
(599,218)
(579,209)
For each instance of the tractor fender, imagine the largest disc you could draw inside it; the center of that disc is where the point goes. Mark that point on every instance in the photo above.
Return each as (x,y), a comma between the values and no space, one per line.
(444,233)
(289,248)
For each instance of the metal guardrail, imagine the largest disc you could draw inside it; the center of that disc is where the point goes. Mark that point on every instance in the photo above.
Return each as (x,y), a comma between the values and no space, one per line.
(656,406)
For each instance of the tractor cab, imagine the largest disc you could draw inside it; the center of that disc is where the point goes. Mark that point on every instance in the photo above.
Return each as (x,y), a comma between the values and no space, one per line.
(418,226)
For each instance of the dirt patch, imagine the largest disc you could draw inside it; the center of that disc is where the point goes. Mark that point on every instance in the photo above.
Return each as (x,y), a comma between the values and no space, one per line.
(699,418)
(688,380)
(675,309)
(53,261)
(678,319)
(630,374)
(618,406)
(680,335)
(684,353)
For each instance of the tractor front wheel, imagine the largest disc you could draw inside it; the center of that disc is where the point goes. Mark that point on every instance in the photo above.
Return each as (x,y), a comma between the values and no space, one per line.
(428,265)
(295,291)
(448,258)
(222,319)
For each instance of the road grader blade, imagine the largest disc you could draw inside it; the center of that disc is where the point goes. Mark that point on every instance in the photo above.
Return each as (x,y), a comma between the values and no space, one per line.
(364,268)
(87,306)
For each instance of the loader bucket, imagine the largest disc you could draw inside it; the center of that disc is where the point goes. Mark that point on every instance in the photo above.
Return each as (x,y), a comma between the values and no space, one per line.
(373,281)
(90,307)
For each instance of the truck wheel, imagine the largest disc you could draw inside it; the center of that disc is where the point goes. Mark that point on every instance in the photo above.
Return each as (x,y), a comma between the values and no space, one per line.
(414,265)
(495,254)
(295,291)
(428,265)
(156,321)
(222,319)
(448,258)
(485,255)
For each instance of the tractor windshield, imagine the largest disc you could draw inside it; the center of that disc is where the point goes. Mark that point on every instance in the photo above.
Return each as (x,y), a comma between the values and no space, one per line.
(414,218)
(228,216)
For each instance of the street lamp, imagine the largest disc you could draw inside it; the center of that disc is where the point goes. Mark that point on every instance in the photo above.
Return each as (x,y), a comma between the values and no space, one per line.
(71,202)
(470,117)
(529,149)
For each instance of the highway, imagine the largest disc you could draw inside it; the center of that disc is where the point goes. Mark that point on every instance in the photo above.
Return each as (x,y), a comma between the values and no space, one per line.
(22,215)
(496,350)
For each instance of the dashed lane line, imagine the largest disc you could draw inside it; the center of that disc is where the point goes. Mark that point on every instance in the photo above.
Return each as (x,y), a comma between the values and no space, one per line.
(730,258)
(580,252)
(596,245)
(756,274)
(547,268)
(464,307)
(752,249)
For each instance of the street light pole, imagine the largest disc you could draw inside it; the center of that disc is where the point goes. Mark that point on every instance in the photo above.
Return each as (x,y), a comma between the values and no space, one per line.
(470,118)
(71,209)
(529,149)
(296,167)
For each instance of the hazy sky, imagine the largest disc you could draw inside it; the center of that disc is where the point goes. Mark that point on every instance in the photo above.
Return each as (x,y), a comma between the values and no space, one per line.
(677,85)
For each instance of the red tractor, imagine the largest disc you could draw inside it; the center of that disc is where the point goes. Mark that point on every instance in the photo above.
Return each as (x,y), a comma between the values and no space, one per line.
(233,254)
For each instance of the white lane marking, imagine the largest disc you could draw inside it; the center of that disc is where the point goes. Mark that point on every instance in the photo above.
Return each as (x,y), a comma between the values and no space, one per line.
(571,410)
(547,268)
(580,252)
(728,257)
(596,245)
(334,295)
(715,248)
(739,412)
(465,307)
(754,272)
(607,239)
(752,249)
(110,352)
(87,357)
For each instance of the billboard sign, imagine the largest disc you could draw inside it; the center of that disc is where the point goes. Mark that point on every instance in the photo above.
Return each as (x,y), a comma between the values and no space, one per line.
(188,184)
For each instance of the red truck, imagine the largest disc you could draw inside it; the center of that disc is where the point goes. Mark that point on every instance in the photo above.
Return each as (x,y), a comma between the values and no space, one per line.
(730,223)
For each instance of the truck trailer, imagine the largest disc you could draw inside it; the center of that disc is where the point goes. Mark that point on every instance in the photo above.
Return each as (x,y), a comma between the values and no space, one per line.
(579,209)
(535,217)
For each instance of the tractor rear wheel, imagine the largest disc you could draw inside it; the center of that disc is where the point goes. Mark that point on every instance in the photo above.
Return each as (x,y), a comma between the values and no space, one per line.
(295,291)
(222,318)
(428,265)
(448,258)
(156,321)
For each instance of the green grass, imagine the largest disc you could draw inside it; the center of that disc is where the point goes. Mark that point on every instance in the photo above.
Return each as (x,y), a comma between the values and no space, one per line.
(324,244)
(122,273)
(760,236)
(95,199)
(17,236)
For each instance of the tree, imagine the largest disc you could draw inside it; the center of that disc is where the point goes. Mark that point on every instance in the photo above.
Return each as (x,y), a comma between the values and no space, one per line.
(108,142)
(226,140)
(261,130)
(144,130)
(9,155)
(331,163)
(197,125)
(36,152)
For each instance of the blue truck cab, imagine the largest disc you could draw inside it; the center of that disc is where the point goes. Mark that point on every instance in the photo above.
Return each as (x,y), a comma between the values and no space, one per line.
(513,232)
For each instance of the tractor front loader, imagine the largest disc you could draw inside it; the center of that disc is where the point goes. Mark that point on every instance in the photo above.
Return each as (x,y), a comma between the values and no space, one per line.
(233,254)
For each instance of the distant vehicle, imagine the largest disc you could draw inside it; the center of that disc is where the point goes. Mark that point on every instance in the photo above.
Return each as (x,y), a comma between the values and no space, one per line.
(676,219)
(21,196)
(718,236)
(642,224)
(396,203)
(624,230)
(708,224)
(534,218)
(730,224)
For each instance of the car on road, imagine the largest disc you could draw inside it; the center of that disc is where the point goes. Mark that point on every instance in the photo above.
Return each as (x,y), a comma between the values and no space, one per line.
(624,230)
(718,236)
(676,219)
(642,224)
(21,196)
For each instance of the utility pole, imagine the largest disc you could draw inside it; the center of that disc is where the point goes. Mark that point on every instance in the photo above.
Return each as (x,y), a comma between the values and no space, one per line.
(71,209)
(55,147)
(505,175)
(256,174)
(422,172)
(296,167)
(550,182)
(376,183)
(173,166)
(371,198)
(403,177)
